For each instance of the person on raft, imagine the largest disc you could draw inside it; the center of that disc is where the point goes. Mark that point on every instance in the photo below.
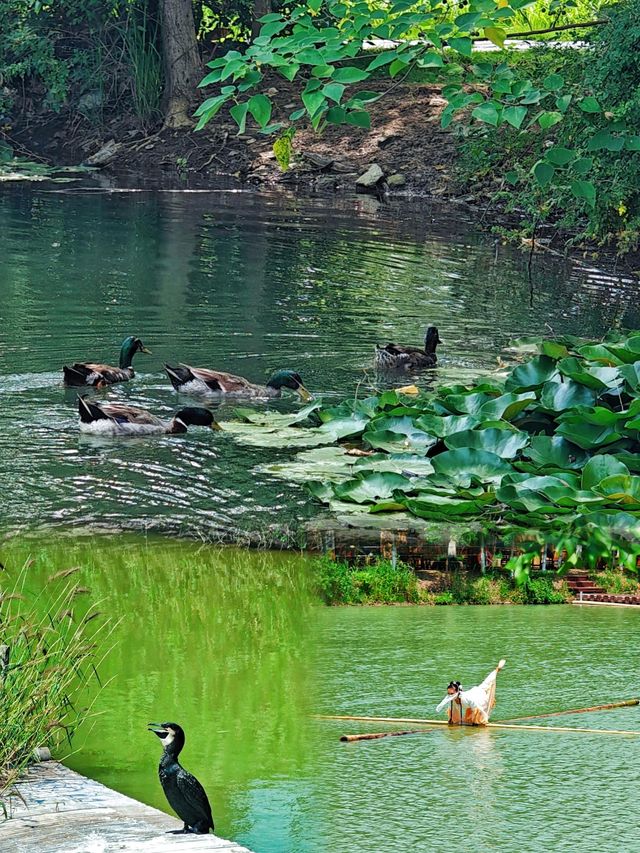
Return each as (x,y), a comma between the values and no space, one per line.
(471,707)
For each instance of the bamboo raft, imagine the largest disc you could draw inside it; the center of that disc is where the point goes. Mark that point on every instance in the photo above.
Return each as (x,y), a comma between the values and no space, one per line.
(504,724)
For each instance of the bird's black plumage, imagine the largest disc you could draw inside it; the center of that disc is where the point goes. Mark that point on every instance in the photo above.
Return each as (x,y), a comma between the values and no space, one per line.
(185,794)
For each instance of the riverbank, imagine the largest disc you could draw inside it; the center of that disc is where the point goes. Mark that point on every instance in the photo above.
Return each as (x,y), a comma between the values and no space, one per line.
(383,582)
(55,810)
(405,140)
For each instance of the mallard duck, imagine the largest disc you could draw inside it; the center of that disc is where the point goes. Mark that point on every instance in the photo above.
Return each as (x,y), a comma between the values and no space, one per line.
(118,419)
(197,380)
(99,375)
(399,357)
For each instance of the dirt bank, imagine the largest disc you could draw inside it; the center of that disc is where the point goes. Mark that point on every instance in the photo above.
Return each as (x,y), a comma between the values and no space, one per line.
(405,139)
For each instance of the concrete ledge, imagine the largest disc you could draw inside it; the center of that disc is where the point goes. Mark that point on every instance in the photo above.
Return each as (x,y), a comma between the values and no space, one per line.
(56,810)
(603,603)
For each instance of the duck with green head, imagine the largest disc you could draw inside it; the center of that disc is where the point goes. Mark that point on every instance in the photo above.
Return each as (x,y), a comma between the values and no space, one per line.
(214,383)
(100,375)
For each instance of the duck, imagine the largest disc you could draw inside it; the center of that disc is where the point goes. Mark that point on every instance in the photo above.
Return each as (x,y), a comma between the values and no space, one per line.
(120,419)
(185,794)
(101,375)
(400,357)
(198,380)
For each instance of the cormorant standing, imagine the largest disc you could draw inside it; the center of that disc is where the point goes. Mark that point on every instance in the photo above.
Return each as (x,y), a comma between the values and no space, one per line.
(185,794)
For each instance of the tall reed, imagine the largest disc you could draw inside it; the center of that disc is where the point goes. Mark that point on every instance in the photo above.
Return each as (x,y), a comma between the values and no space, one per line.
(51,643)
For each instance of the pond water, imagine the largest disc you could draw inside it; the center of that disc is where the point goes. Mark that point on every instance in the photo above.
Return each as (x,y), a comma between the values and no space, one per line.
(231,645)
(246,283)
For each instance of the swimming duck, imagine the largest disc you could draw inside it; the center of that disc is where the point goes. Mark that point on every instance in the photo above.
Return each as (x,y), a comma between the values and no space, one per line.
(399,357)
(99,375)
(197,380)
(118,419)
(185,794)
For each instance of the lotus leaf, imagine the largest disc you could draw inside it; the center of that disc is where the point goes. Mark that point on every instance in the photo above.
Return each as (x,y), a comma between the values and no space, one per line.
(558,396)
(599,467)
(463,464)
(503,442)
(590,375)
(555,451)
(395,442)
(370,488)
(441,427)
(588,436)
(532,374)
(507,406)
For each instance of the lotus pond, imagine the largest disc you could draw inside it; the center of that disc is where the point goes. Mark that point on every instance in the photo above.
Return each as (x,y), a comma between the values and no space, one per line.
(249,284)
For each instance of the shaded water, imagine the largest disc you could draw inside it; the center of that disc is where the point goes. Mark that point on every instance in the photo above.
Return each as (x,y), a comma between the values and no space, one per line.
(229,644)
(248,284)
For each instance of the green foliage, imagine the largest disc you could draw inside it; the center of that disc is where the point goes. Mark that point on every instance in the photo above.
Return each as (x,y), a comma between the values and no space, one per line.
(541,590)
(54,644)
(593,156)
(378,583)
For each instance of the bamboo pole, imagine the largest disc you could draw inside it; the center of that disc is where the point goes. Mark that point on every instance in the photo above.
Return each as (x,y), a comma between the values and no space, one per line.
(625,703)
(377,735)
(488,726)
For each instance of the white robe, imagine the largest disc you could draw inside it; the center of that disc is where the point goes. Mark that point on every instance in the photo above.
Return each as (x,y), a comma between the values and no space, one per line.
(472,707)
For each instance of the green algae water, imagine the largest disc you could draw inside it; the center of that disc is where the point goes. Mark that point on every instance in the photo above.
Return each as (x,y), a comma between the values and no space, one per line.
(245,283)
(235,647)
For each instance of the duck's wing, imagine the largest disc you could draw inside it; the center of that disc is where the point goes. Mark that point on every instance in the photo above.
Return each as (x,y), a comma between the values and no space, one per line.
(92,373)
(196,797)
(401,350)
(129,414)
(225,383)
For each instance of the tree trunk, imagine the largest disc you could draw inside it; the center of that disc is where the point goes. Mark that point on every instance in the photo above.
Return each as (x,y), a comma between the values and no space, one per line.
(260,8)
(182,69)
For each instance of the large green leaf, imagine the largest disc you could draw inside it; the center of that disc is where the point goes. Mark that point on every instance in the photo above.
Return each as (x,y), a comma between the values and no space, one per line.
(558,396)
(593,376)
(463,464)
(599,467)
(371,487)
(532,374)
(503,442)
(507,406)
(555,452)
(588,436)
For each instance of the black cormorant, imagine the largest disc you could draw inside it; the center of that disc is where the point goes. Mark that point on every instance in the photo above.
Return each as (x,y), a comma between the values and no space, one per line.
(185,794)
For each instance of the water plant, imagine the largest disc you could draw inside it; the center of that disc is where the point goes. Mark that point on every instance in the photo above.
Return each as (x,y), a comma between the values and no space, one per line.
(548,452)
(50,646)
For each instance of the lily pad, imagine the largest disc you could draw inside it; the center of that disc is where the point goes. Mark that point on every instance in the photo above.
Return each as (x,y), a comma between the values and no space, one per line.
(464,463)
(371,488)
(503,442)
(533,374)
(555,452)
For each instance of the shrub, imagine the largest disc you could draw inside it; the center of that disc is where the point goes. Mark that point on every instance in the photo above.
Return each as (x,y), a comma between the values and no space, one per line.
(542,591)
(379,583)
(614,582)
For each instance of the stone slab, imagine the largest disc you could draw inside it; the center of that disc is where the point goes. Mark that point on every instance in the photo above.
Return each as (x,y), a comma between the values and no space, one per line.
(56,810)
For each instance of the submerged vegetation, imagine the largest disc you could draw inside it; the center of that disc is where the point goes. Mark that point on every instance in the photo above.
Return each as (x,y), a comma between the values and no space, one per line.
(51,645)
(548,452)
(380,582)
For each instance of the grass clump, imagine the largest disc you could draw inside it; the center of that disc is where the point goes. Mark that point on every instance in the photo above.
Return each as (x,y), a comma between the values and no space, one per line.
(49,649)
(378,583)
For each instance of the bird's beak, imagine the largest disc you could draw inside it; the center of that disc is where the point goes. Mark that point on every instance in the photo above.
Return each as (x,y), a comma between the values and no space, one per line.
(157,729)
(304,394)
(215,426)
(147,351)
